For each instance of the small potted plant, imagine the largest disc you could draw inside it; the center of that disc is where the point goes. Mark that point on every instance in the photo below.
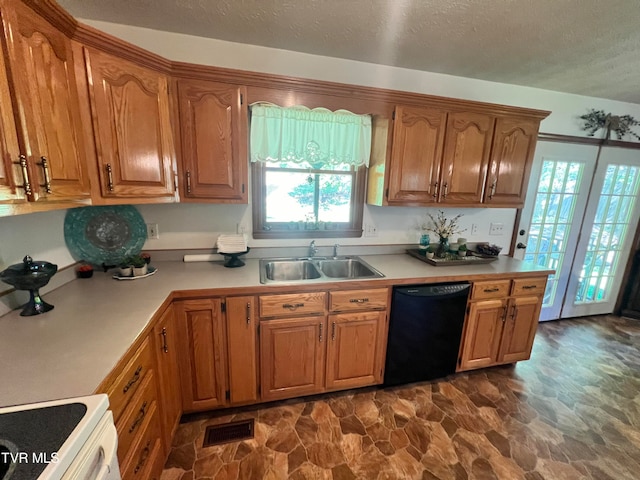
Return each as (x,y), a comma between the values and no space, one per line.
(462,250)
(146,257)
(428,252)
(139,265)
(84,270)
(124,267)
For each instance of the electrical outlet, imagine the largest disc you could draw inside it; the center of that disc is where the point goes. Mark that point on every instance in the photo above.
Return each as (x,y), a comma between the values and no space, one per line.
(370,230)
(474,229)
(496,229)
(240,228)
(152,231)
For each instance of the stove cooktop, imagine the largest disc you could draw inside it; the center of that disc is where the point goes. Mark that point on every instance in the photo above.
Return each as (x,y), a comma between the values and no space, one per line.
(41,440)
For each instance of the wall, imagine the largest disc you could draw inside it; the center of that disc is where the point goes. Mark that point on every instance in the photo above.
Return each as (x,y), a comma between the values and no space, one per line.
(196,226)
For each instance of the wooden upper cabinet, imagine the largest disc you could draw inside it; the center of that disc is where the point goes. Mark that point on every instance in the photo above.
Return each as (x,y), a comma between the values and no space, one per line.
(418,139)
(514,143)
(11,184)
(131,122)
(467,146)
(213,134)
(45,91)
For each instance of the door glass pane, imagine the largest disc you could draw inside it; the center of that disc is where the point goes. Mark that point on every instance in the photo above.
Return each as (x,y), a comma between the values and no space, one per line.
(615,206)
(555,202)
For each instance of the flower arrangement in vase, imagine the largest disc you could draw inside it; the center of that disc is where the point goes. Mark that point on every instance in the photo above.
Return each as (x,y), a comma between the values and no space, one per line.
(444,228)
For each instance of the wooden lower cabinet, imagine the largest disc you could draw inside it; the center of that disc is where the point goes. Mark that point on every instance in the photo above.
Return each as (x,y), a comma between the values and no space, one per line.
(170,397)
(520,329)
(303,355)
(202,362)
(502,329)
(354,354)
(137,406)
(242,345)
(218,357)
(292,356)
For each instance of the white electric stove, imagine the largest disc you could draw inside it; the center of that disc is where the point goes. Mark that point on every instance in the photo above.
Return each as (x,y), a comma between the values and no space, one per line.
(67,439)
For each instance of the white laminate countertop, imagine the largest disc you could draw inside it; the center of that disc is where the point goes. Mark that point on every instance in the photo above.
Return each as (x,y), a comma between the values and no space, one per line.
(68,351)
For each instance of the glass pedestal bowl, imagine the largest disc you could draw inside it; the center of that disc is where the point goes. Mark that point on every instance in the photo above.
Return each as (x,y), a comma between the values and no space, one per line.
(30,275)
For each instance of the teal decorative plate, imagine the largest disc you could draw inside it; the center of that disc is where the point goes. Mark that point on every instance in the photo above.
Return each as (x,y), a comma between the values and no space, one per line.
(104,235)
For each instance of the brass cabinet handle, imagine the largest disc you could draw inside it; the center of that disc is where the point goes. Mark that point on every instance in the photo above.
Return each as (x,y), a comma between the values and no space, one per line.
(109,177)
(248,313)
(141,414)
(320,328)
(47,177)
(493,189)
(143,457)
(188,178)
(435,190)
(165,347)
(446,190)
(529,287)
(491,290)
(358,300)
(333,331)
(25,174)
(134,379)
(504,314)
(514,312)
(292,306)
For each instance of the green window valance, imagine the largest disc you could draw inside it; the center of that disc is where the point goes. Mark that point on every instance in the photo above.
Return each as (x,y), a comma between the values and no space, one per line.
(318,137)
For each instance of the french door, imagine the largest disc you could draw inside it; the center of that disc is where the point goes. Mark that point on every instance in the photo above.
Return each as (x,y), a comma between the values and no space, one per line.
(579,219)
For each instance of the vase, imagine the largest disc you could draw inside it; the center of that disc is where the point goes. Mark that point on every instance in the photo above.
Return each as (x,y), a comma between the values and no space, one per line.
(443,247)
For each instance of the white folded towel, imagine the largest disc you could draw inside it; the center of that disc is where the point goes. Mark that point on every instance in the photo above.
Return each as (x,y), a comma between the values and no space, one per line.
(232,243)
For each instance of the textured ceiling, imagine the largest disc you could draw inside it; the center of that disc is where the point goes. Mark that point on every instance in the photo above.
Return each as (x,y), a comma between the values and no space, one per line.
(585,47)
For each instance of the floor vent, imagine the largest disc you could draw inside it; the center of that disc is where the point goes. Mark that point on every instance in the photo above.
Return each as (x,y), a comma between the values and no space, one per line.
(228,432)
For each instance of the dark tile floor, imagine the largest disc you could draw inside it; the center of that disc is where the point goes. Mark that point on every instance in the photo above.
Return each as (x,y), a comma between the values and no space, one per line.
(572,411)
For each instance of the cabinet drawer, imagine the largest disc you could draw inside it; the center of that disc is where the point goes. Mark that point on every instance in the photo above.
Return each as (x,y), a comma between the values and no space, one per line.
(528,286)
(140,459)
(490,289)
(130,424)
(125,387)
(292,304)
(369,299)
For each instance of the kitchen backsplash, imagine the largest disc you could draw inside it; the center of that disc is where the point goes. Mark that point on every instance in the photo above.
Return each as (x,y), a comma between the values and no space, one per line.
(195,227)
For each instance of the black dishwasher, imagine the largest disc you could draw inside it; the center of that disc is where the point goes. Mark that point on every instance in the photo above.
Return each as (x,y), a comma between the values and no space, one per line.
(425,329)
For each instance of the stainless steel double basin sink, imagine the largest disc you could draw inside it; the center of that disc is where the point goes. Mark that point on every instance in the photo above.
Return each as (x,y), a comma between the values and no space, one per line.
(315,268)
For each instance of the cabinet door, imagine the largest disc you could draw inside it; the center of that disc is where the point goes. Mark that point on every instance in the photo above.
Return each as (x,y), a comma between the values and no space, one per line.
(202,354)
(243,349)
(11,190)
(292,356)
(130,113)
(166,347)
(483,330)
(418,137)
(213,133)
(514,142)
(355,349)
(46,94)
(520,328)
(467,146)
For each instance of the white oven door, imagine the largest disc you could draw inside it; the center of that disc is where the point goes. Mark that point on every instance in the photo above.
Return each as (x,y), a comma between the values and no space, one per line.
(97,459)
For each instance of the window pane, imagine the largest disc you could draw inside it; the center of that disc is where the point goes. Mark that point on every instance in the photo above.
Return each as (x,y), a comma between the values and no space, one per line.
(288,198)
(335,198)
